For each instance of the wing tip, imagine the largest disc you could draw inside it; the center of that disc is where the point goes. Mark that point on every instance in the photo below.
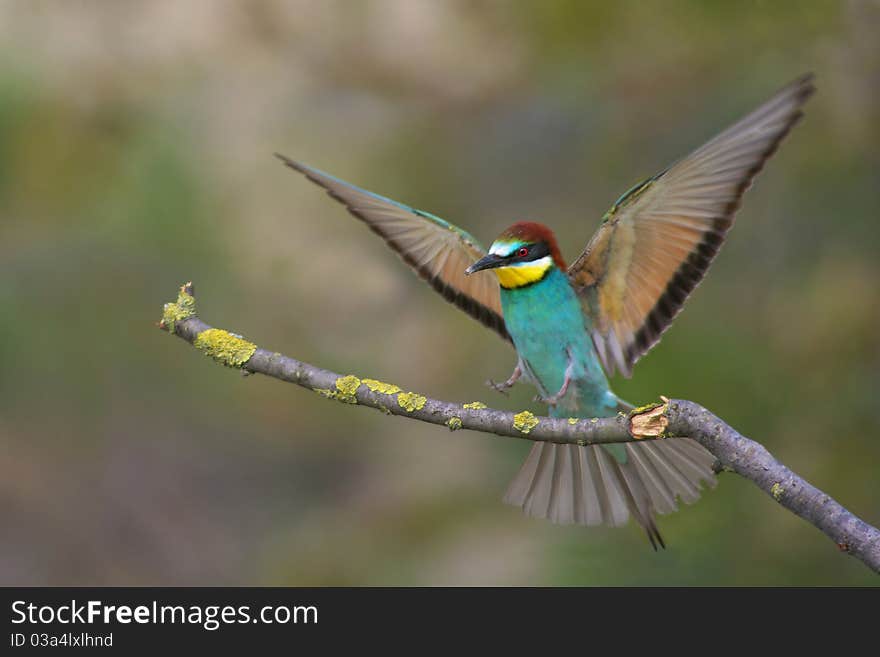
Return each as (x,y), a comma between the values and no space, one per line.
(299,167)
(798,90)
(315,176)
(803,88)
(805,83)
(286,160)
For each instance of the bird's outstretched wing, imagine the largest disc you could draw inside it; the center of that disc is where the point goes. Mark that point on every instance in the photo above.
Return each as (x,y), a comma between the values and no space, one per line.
(438,251)
(656,243)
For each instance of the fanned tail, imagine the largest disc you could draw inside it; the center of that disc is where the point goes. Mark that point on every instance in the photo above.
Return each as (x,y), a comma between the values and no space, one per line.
(569,484)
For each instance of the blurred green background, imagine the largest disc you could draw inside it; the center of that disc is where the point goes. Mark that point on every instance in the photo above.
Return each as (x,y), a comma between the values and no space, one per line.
(135,155)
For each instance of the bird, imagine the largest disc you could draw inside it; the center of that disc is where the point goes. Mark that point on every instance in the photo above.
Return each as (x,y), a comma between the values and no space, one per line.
(574,326)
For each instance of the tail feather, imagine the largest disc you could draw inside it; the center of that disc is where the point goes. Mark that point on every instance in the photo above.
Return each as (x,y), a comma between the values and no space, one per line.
(586,485)
(639,500)
(562,498)
(580,506)
(660,492)
(678,484)
(693,461)
(518,490)
(595,501)
(540,491)
(615,487)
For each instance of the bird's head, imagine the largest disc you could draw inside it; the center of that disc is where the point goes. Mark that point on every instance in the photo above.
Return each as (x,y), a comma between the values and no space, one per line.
(523,254)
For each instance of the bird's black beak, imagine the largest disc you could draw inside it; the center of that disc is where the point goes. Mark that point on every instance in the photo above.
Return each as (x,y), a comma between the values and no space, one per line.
(488,262)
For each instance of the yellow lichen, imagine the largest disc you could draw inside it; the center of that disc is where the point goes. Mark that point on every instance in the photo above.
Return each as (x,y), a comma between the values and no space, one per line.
(525,421)
(347,387)
(645,408)
(410,401)
(454,423)
(777,490)
(573,420)
(476,406)
(183,308)
(226,348)
(381,387)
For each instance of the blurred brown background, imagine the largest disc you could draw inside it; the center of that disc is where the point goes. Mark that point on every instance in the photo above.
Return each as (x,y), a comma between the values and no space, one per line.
(135,155)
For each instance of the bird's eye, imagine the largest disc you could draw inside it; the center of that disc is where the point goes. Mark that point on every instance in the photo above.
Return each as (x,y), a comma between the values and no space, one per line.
(522,252)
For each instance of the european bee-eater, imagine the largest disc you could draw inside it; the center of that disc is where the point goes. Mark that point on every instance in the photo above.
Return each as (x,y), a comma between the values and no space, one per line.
(572,326)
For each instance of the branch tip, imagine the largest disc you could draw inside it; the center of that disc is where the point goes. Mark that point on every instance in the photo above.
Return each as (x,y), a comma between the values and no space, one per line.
(177,311)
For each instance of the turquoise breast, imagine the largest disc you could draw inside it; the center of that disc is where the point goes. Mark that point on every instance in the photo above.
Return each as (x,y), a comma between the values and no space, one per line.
(549,330)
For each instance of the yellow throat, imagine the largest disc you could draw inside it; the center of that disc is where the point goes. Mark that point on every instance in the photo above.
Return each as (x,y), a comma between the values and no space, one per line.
(523,274)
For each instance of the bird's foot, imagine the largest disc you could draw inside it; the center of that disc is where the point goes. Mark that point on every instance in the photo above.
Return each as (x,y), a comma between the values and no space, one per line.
(499,387)
(550,401)
(503,387)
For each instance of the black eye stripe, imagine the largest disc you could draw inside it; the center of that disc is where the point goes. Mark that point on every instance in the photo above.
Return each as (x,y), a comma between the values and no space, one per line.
(536,252)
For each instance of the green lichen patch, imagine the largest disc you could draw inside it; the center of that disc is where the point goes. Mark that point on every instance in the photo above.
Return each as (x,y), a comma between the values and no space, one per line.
(347,388)
(454,423)
(381,387)
(226,348)
(645,408)
(475,406)
(776,490)
(525,421)
(410,401)
(177,311)
(573,420)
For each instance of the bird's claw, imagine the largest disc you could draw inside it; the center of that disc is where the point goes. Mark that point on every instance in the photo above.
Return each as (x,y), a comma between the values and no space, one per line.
(550,401)
(498,387)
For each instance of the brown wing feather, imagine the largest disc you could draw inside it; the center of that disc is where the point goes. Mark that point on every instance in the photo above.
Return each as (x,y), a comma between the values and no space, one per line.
(438,251)
(659,239)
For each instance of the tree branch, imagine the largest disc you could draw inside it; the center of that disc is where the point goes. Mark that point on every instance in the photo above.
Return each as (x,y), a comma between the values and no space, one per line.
(665,419)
